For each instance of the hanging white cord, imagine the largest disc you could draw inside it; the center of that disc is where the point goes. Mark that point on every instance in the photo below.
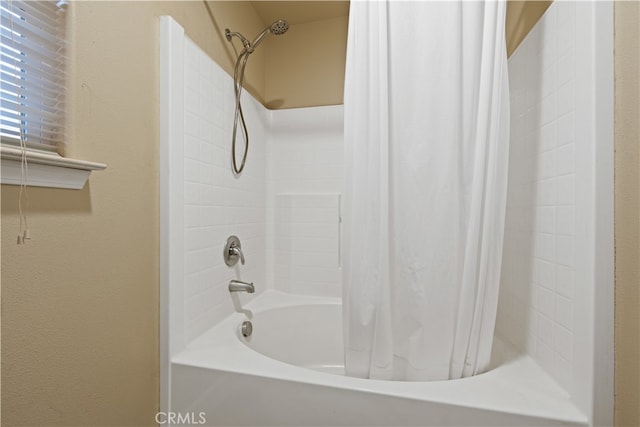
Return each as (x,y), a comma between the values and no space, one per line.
(23,197)
(23,233)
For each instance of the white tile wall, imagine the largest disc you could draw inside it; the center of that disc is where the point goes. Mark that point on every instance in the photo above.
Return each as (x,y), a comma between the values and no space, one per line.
(302,149)
(217,204)
(535,311)
(306,150)
(305,159)
(307,243)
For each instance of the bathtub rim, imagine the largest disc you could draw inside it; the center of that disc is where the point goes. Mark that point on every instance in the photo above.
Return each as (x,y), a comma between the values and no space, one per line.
(212,350)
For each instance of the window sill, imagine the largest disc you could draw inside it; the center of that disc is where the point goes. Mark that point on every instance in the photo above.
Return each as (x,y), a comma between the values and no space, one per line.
(45,169)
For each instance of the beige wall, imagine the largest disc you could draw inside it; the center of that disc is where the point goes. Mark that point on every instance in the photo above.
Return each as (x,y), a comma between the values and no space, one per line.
(521,17)
(80,301)
(305,67)
(627,143)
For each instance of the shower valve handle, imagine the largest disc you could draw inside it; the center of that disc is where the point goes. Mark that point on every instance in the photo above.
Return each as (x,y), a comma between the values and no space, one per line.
(233,251)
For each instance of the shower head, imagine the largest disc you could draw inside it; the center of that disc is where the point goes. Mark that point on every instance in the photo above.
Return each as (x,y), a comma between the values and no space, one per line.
(277,28)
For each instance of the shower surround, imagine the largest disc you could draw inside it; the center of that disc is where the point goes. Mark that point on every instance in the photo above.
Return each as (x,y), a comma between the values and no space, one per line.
(556,295)
(554,154)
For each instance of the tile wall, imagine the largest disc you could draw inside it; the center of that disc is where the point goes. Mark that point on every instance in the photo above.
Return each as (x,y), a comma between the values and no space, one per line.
(536,308)
(216,203)
(307,244)
(305,179)
(284,207)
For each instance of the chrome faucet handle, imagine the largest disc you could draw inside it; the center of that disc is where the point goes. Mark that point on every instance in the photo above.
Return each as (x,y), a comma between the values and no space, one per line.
(233,251)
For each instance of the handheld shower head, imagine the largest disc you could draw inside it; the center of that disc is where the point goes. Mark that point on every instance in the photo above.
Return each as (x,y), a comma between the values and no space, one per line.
(277,28)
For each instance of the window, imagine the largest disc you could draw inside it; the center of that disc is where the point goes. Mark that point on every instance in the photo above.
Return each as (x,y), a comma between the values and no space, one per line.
(32,91)
(32,77)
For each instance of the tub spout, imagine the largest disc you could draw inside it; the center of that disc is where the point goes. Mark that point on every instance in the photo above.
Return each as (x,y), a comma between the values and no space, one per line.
(238,286)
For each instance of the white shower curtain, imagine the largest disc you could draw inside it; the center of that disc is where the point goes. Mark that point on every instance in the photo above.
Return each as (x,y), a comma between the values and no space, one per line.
(426,150)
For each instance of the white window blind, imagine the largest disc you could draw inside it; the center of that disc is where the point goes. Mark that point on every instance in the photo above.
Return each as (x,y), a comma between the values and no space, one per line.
(32,73)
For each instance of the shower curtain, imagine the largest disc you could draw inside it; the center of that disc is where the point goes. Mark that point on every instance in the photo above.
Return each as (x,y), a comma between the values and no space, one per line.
(426,150)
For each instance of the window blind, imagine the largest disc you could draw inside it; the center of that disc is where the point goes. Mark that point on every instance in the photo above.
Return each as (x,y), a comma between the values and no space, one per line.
(32,72)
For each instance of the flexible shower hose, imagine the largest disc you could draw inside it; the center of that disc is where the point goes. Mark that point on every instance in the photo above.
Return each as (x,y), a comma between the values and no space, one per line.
(238,78)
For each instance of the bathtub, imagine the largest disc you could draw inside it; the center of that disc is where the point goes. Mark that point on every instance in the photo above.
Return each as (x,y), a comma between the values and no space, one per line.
(290,373)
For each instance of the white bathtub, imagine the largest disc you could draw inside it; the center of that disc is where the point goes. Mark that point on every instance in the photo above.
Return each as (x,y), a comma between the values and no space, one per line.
(289,373)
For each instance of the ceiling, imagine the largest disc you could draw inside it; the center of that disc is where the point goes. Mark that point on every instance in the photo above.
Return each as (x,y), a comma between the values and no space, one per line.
(300,12)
